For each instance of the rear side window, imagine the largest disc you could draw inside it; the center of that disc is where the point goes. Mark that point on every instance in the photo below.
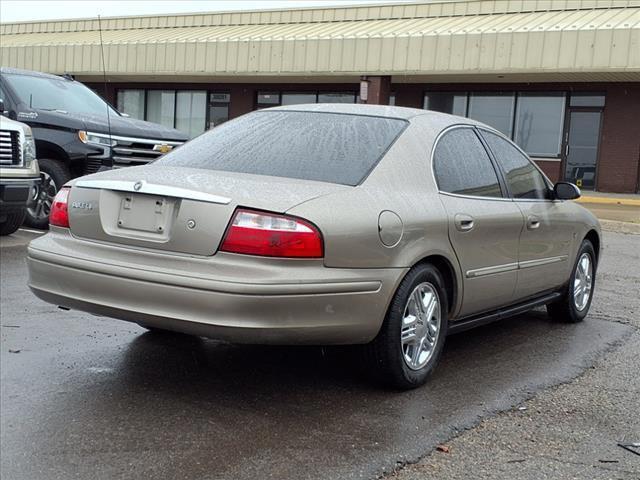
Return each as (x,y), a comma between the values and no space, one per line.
(325,147)
(461,165)
(523,178)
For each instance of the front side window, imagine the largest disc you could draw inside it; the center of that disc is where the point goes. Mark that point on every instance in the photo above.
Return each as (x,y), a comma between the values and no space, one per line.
(462,166)
(523,178)
(318,146)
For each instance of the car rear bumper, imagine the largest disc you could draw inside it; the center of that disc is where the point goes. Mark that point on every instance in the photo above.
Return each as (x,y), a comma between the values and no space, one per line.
(312,311)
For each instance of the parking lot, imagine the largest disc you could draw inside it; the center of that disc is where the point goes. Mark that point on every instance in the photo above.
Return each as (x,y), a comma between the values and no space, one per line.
(87,397)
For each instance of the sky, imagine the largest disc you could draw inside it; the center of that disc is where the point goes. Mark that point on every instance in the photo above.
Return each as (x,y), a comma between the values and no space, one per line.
(26,10)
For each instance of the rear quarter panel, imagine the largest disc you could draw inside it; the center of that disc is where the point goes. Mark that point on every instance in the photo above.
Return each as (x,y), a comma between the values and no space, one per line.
(401,183)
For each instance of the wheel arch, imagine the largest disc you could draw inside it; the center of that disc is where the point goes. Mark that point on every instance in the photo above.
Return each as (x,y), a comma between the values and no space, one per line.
(594,238)
(46,149)
(449,276)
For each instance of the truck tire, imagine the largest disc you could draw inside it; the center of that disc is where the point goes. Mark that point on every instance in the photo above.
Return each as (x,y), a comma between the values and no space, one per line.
(55,175)
(12,222)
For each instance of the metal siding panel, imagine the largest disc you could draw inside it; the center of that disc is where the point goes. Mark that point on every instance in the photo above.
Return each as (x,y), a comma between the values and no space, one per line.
(457,50)
(286,62)
(584,53)
(399,59)
(602,46)
(414,53)
(551,50)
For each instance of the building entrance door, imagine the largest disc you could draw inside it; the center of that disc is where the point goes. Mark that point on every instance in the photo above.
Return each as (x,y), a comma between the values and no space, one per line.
(582,145)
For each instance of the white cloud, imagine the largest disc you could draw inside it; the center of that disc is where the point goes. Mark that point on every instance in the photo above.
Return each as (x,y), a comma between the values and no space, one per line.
(26,10)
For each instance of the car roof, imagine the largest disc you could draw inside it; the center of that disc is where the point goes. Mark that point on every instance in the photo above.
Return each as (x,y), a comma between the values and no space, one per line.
(31,73)
(388,111)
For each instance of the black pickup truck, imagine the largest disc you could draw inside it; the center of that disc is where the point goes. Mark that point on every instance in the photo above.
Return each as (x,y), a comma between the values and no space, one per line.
(76,132)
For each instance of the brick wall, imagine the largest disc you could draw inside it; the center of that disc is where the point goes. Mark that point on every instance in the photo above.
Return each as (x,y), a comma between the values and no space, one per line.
(550,168)
(619,158)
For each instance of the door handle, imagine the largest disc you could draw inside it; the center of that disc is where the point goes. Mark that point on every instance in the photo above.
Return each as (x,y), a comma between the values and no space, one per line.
(533,222)
(463,222)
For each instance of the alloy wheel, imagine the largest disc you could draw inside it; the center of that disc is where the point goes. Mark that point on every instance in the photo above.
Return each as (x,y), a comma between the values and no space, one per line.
(421,324)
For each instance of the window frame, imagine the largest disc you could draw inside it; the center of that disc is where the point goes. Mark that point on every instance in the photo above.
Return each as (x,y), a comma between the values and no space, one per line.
(503,174)
(259,106)
(145,90)
(506,194)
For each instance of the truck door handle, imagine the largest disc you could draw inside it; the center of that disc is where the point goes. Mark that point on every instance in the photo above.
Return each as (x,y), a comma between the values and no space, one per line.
(533,222)
(463,222)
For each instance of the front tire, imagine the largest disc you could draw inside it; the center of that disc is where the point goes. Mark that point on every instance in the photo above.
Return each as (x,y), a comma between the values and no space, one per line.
(574,305)
(55,175)
(410,342)
(12,222)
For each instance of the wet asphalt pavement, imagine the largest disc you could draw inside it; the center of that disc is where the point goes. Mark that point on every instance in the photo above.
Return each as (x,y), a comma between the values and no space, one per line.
(86,397)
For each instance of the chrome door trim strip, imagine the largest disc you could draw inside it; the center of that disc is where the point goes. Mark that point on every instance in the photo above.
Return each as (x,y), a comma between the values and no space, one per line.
(509,267)
(481,272)
(152,189)
(542,261)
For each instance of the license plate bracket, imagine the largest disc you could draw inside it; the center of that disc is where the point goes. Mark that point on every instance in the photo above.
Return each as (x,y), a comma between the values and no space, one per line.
(145,213)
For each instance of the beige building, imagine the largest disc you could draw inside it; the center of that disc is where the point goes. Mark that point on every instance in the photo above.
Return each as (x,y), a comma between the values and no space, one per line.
(560,77)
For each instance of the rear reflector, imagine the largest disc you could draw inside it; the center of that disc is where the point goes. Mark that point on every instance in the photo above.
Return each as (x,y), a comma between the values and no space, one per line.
(272,235)
(59,214)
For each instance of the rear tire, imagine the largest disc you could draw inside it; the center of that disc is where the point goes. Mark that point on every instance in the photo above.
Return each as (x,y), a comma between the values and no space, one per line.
(12,222)
(56,174)
(574,304)
(409,345)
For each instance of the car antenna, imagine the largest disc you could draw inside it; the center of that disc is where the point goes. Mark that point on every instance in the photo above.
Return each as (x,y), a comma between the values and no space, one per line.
(104,79)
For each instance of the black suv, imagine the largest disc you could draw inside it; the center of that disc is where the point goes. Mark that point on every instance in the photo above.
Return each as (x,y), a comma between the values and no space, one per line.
(73,132)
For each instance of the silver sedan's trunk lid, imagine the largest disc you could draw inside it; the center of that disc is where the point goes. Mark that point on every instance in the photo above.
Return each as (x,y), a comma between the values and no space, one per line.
(177,209)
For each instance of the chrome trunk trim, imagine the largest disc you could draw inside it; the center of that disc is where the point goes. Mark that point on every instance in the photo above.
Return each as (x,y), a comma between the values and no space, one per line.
(152,189)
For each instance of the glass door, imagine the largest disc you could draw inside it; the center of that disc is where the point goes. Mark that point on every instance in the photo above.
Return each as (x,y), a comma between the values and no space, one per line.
(582,147)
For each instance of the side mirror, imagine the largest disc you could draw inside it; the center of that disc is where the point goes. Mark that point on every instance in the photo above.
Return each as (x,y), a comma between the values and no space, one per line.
(1,106)
(565,191)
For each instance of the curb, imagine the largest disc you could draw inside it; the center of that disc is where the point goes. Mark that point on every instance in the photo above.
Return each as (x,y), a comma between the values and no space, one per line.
(610,201)
(620,227)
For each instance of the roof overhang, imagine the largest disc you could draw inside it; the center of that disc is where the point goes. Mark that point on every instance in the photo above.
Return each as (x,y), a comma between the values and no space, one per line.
(430,42)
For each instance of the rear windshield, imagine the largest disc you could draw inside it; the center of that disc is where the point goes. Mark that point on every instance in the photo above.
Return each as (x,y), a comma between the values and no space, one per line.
(327,147)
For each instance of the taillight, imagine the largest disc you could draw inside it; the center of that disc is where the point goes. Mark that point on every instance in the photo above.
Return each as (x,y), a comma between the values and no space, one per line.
(272,235)
(59,214)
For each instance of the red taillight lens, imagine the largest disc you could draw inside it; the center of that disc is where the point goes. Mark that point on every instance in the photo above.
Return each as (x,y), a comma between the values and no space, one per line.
(59,214)
(272,235)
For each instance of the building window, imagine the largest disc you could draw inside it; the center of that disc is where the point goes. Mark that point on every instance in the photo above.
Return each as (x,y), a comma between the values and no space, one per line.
(494,109)
(131,102)
(267,99)
(218,108)
(191,112)
(453,103)
(337,97)
(161,106)
(539,120)
(587,99)
(291,98)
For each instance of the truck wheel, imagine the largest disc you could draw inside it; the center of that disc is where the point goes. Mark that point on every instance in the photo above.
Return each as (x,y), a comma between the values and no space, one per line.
(55,174)
(12,222)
